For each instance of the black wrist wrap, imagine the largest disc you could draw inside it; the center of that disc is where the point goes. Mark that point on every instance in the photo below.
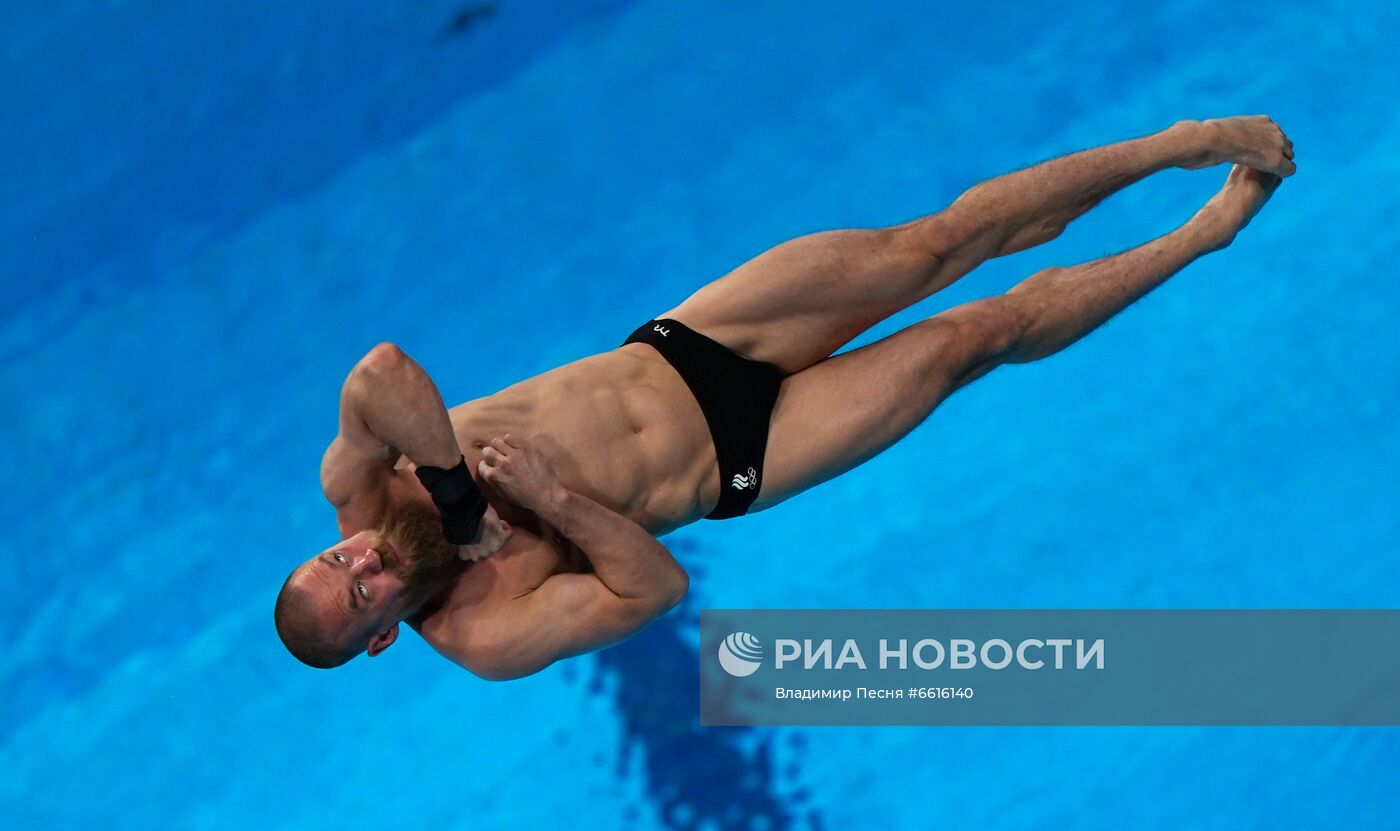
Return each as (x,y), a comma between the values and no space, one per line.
(458,500)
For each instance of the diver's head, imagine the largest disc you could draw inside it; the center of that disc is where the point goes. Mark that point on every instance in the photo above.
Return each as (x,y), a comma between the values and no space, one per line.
(350,598)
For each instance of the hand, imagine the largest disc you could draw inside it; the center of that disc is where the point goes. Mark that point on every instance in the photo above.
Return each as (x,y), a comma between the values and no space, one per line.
(491,535)
(519,473)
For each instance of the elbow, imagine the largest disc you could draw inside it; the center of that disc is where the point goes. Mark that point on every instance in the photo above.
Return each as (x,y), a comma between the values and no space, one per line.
(383,365)
(384,359)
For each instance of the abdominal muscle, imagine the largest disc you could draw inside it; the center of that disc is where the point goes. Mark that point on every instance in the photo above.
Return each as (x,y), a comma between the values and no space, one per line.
(621,428)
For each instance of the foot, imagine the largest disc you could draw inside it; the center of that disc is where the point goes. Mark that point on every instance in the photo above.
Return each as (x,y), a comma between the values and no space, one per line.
(1250,140)
(1245,192)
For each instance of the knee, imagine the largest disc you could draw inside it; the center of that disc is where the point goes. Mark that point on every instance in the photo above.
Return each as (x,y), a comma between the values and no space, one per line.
(947,240)
(997,326)
(934,238)
(972,339)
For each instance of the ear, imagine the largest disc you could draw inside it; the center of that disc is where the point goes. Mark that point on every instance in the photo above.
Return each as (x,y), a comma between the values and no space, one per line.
(383,640)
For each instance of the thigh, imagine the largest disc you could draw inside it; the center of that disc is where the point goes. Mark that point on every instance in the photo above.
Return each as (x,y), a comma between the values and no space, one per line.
(846,409)
(799,302)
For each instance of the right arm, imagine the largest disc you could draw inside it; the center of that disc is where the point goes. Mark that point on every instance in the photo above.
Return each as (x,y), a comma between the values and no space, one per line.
(388,406)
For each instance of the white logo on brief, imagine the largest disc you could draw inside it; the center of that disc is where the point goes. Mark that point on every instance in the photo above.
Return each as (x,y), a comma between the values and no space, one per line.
(740,654)
(741,482)
(663,330)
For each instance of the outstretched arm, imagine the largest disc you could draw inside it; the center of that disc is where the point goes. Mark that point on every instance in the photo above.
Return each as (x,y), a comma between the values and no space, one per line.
(634,580)
(388,406)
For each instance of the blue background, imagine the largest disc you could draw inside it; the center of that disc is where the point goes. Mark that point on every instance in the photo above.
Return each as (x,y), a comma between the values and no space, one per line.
(208,212)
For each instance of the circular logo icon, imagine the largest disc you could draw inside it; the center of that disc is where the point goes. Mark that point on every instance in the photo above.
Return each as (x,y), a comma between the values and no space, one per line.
(740,654)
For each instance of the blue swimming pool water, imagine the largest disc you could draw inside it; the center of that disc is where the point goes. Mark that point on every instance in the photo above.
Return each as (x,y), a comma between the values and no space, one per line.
(209,211)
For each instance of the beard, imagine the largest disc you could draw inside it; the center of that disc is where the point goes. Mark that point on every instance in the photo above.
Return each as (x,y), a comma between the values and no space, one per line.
(429,560)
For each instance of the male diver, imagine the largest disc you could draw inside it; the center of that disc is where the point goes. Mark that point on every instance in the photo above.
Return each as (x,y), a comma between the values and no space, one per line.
(520,528)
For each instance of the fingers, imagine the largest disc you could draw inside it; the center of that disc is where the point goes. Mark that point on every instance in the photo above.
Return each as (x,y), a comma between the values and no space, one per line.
(495,461)
(492,540)
(473,553)
(496,455)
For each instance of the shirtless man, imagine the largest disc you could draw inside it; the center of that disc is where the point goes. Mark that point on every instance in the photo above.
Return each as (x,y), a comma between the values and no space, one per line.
(519,529)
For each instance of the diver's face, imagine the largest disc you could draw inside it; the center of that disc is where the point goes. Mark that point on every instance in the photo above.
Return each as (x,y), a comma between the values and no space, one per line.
(361,587)
(363,573)
(350,597)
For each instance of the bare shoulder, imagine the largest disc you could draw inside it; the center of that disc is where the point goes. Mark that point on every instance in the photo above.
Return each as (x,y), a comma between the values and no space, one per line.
(477,626)
(482,639)
(355,483)
(364,507)
(523,635)
(453,634)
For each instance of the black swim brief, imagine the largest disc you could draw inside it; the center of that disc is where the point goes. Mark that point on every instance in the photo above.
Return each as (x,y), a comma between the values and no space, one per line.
(737,397)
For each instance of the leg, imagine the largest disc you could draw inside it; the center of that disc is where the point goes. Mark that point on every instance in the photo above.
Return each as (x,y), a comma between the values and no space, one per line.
(801,301)
(845,410)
